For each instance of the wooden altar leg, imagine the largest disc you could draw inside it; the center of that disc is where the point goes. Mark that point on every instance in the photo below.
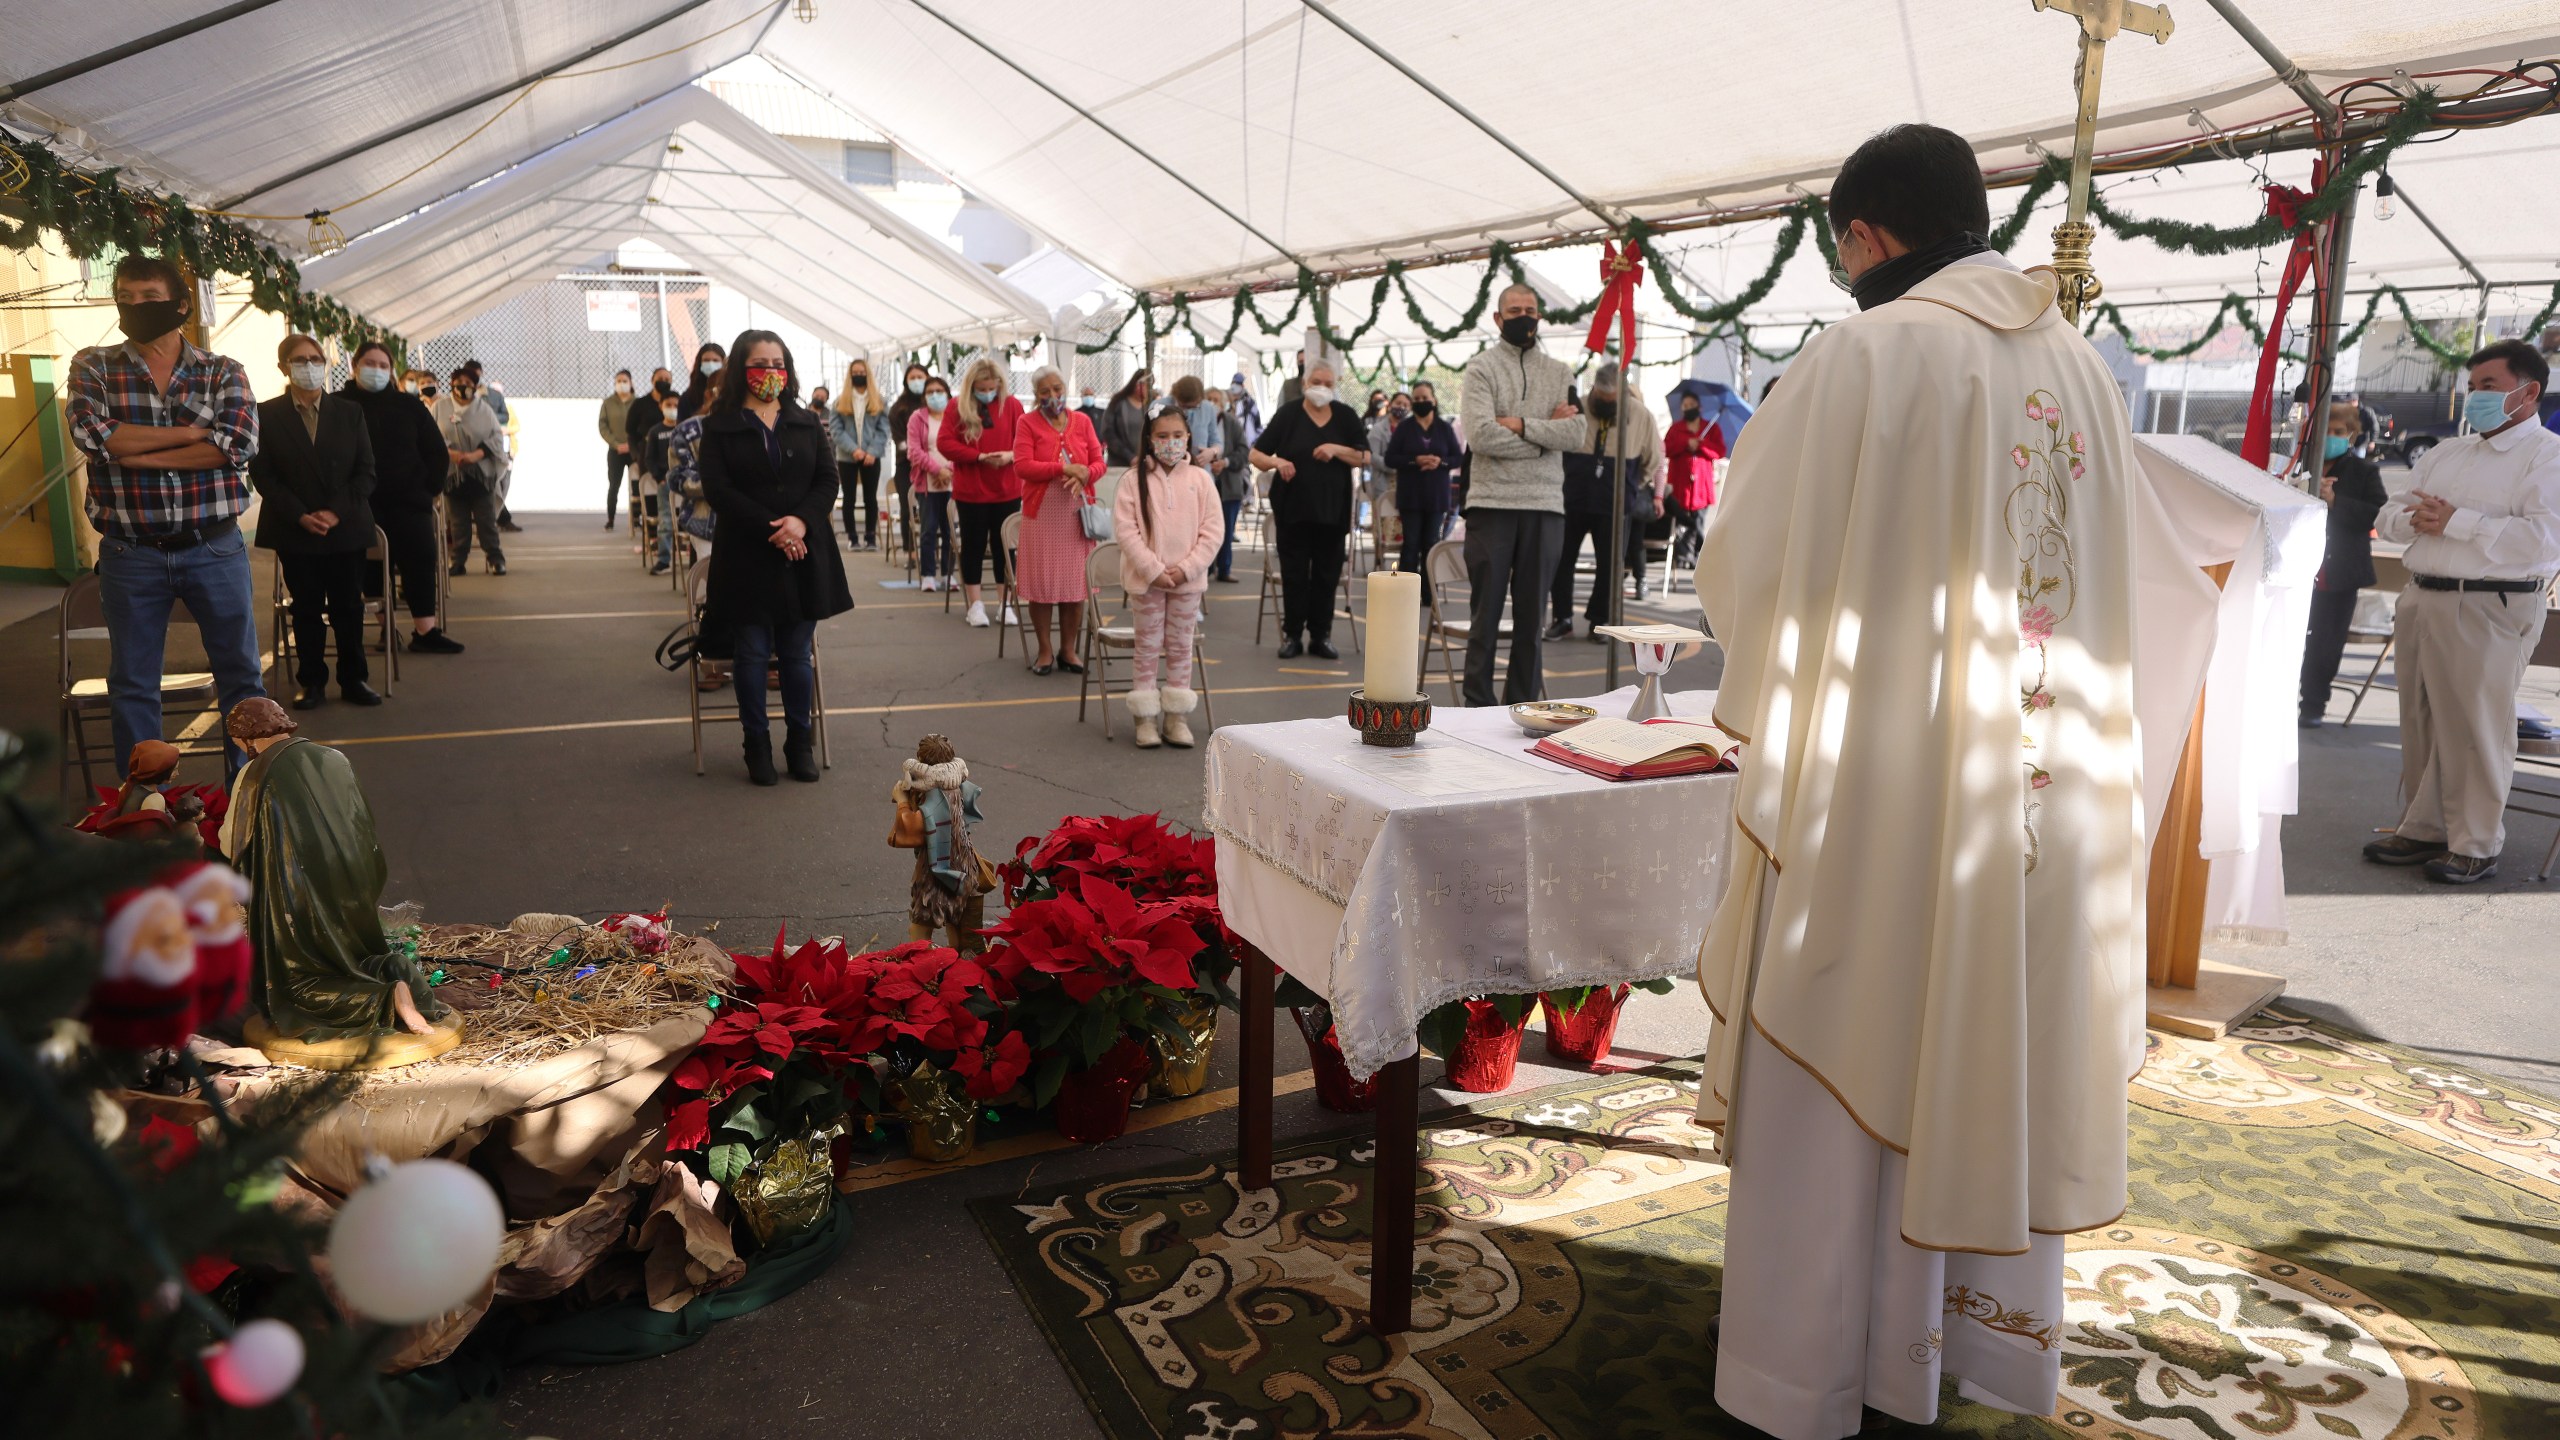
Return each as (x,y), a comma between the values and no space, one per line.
(1391,1202)
(2178,873)
(1254,1063)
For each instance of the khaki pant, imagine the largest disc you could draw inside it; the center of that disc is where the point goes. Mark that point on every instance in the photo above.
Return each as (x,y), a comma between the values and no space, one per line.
(2461,657)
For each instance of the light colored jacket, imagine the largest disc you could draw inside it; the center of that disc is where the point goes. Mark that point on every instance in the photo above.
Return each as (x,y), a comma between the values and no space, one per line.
(477,427)
(1189,528)
(861,431)
(930,473)
(1523,471)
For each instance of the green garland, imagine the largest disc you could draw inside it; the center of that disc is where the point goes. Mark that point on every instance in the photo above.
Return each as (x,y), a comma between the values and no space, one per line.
(92,212)
(2234,309)
(1158,319)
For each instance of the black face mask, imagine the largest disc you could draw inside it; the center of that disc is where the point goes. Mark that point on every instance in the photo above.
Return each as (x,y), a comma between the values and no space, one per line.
(1422,409)
(1689,415)
(662,387)
(1894,278)
(1521,330)
(430,392)
(144,321)
(860,382)
(1604,408)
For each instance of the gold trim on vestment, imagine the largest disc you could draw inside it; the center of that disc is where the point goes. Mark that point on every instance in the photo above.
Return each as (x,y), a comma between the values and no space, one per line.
(1760,845)
(1718,722)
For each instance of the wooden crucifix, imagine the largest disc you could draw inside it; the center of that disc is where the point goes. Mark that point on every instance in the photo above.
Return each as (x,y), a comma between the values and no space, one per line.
(2100,22)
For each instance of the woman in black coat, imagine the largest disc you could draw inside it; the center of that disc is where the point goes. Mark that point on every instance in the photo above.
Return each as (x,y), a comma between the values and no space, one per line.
(409,465)
(2353,487)
(768,473)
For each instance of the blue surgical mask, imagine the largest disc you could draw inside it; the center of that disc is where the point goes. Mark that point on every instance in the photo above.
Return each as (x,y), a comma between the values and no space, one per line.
(915,387)
(2485,409)
(374,377)
(2335,446)
(935,401)
(985,397)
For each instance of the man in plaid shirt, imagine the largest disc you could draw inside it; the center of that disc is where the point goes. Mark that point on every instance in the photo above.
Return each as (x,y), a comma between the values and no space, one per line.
(168,430)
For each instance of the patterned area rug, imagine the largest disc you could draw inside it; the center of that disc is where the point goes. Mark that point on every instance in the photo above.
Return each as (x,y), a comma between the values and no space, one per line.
(2329,1237)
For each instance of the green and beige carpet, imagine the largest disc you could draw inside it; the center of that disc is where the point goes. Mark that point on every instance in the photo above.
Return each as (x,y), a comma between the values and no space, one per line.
(2329,1237)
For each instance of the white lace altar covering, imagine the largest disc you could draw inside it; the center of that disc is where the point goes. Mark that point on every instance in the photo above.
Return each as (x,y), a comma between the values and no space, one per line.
(1392,882)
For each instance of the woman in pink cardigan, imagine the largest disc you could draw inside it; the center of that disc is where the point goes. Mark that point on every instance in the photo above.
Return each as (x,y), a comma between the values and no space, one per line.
(1169,525)
(936,557)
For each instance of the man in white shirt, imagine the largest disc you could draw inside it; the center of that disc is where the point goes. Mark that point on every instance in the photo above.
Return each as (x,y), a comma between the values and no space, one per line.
(2482,523)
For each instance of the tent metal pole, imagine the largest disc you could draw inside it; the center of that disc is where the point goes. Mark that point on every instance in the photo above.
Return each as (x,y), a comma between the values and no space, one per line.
(1098,123)
(2401,193)
(2479,338)
(1608,215)
(2320,377)
(447,113)
(2281,63)
(1613,557)
(126,51)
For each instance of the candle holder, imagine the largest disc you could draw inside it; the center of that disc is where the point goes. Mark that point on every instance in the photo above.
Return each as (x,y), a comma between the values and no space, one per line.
(1391,724)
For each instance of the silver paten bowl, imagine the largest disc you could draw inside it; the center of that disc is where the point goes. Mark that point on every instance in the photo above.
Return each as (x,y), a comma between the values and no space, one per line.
(1546,717)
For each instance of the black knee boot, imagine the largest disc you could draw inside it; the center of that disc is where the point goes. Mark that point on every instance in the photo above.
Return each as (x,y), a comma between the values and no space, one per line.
(760,758)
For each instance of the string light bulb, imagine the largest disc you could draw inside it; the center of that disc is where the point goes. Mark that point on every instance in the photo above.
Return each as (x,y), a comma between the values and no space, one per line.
(804,11)
(2385,201)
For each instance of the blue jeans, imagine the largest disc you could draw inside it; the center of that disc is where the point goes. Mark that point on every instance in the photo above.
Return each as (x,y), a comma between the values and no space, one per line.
(137,586)
(1227,552)
(759,647)
(933,547)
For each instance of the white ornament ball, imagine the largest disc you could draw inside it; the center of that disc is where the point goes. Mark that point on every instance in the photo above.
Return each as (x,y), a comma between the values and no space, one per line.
(416,1243)
(258,1363)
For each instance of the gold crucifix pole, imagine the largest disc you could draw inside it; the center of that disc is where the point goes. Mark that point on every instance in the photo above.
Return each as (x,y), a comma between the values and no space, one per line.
(2100,22)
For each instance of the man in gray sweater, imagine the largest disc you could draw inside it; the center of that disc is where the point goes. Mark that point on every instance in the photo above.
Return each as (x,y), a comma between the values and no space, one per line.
(1518,426)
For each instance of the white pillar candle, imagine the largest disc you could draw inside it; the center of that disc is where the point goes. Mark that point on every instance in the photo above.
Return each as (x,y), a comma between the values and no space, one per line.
(1395,637)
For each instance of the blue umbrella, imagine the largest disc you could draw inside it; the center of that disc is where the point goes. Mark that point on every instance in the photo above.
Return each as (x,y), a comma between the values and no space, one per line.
(1717,405)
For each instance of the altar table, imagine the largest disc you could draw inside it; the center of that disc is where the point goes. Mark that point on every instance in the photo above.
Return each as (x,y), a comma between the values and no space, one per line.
(1391,882)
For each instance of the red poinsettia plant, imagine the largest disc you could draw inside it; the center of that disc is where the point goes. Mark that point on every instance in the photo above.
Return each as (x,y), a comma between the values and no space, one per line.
(1145,857)
(792,1050)
(1091,965)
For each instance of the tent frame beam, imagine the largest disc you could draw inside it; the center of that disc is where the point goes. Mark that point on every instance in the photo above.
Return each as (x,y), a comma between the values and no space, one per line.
(126,51)
(682,9)
(1098,123)
(2278,61)
(1609,215)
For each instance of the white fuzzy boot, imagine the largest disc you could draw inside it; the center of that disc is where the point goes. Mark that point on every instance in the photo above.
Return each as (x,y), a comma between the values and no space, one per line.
(1178,705)
(1144,707)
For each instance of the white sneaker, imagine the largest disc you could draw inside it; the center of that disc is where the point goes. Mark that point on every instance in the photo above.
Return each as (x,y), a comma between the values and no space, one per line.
(1010,618)
(978,615)
(931,583)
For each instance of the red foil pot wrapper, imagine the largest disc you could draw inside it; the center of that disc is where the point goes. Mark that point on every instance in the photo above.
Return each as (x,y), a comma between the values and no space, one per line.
(1489,1054)
(1582,1036)
(1093,1105)
(1335,1089)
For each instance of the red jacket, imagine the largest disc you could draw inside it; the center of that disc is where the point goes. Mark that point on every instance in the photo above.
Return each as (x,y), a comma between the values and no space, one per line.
(1042,460)
(971,481)
(1693,447)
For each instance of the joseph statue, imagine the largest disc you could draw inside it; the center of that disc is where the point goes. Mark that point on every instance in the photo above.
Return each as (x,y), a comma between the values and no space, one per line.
(1927,975)
(300,830)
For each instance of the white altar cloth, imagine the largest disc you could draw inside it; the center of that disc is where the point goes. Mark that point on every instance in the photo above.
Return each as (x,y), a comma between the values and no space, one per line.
(1392,882)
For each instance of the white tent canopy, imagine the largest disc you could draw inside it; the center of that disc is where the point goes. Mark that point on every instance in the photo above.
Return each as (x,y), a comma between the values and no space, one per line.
(240,115)
(1292,141)
(1171,145)
(710,185)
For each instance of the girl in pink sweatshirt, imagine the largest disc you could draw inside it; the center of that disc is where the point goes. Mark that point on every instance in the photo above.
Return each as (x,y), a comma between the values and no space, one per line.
(1169,525)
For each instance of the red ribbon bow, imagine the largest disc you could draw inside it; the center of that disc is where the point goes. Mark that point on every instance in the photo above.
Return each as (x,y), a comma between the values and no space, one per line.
(2257,440)
(1621,271)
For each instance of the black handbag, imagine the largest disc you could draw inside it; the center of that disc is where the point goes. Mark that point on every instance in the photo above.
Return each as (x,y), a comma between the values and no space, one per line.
(470,482)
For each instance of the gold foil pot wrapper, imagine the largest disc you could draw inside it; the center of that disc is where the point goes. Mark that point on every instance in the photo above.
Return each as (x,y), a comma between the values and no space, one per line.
(1182,1066)
(789,1188)
(942,1121)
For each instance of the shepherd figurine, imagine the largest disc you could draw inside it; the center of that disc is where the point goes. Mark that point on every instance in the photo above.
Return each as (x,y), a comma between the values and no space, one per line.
(937,803)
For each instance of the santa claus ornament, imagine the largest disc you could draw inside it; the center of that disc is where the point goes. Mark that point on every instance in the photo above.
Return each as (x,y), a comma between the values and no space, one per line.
(145,997)
(216,897)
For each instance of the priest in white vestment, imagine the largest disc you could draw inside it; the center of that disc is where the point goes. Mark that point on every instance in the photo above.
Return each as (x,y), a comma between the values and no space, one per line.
(1927,975)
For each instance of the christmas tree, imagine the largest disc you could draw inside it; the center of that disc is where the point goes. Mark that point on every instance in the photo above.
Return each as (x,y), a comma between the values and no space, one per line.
(150,1284)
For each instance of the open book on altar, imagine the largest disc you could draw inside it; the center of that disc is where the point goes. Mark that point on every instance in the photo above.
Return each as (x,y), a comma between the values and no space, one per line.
(1647,750)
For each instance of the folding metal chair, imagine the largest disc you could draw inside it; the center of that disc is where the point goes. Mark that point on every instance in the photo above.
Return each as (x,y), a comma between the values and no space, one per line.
(697,584)
(2537,777)
(2391,574)
(1106,642)
(1009,594)
(81,618)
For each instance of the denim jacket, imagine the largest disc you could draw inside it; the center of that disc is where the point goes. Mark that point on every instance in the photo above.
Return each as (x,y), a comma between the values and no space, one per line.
(860,431)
